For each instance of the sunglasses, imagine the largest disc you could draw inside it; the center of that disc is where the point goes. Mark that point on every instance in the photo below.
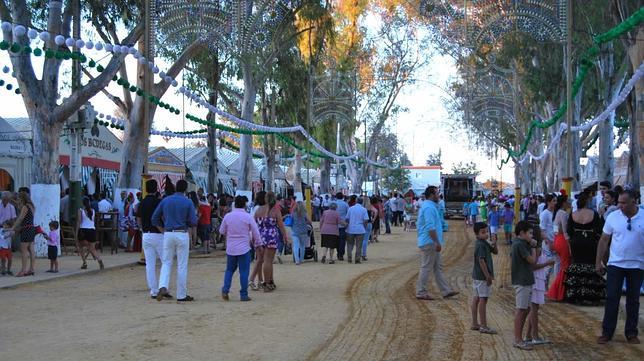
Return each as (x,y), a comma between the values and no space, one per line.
(628,224)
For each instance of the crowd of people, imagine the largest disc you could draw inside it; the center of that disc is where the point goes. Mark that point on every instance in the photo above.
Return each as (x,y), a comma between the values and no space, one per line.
(580,250)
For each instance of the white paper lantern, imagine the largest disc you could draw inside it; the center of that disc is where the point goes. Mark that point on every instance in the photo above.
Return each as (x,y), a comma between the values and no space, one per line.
(32,34)
(80,43)
(89,45)
(108,117)
(6,26)
(70,42)
(6,69)
(162,74)
(168,79)
(133,51)
(98,46)
(175,83)
(155,70)
(19,30)
(108,47)
(125,49)
(116,48)
(59,40)
(44,36)
(141,61)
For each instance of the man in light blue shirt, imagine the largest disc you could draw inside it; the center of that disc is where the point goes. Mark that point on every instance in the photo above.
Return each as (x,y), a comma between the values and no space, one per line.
(474,211)
(342,209)
(357,218)
(430,226)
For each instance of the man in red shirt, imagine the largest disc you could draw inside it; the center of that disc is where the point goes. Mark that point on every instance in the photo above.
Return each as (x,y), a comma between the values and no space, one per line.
(203,226)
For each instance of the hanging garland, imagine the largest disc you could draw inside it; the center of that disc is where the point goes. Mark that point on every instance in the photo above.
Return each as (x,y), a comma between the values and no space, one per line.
(586,63)
(60,40)
(623,94)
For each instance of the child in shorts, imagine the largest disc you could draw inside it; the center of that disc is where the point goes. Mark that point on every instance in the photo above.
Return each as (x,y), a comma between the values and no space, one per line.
(523,265)
(53,242)
(538,298)
(495,220)
(5,248)
(482,275)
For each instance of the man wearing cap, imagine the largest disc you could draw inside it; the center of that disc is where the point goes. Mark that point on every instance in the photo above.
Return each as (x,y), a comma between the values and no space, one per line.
(178,214)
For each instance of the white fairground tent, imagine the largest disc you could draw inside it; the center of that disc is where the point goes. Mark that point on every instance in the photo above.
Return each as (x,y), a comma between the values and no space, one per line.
(15,157)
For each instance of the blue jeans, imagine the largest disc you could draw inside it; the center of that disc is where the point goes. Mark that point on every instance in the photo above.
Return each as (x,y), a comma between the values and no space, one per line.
(614,280)
(342,243)
(232,262)
(299,243)
(365,240)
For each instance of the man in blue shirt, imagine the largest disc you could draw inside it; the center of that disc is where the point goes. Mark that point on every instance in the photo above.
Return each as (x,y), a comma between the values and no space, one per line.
(342,209)
(174,216)
(430,240)
(357,219)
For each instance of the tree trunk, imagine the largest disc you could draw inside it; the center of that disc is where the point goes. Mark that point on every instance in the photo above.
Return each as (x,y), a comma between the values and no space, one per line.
(636,129)
(297,187)
(325,176)
(213,176)
(246,142)
(45,186)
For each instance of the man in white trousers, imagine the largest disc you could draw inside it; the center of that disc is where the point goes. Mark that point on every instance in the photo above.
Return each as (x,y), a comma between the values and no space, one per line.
(174,216)
(152,236)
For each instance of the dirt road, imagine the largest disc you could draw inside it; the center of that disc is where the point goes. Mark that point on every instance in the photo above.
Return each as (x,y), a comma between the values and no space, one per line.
(386,322)
(319,312)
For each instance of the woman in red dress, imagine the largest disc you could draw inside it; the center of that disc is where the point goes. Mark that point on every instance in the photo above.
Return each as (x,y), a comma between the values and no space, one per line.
(557,290)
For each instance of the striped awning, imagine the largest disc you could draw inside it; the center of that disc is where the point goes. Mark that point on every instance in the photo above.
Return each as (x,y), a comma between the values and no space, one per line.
(108,179)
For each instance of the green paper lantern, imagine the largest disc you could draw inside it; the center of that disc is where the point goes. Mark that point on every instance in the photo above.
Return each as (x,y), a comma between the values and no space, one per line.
(27,50)
(4,45)
(37,52)
(139,92)
(73,55)
(18,91)
(9,86)
(132,89)
(167,106)
(92,64)
(58,55)
(67,56)
(151,98)
(1,82)
(126,83)
(177,112)
(15,47)
(100,68)
(119,82)
(82,58)
(49,54)
(161,104)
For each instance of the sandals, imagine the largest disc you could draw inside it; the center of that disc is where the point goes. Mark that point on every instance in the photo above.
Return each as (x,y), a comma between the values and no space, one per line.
(487,330)
(254,286)
(523,346)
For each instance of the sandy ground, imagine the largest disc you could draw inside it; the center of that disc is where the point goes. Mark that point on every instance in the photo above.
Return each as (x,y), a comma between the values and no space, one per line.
(319,311)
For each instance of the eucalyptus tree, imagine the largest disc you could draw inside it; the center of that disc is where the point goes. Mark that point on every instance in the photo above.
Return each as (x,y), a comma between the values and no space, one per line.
(41,96)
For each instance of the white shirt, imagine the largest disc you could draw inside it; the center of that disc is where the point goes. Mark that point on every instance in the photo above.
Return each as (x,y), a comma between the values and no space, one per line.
(5,239)
(326,202)
(626,247)
(87,222)
(541,207)
(546,224)
(392,204)
(104,206)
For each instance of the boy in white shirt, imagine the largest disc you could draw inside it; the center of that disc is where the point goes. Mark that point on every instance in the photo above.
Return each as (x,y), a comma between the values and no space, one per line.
(5,248)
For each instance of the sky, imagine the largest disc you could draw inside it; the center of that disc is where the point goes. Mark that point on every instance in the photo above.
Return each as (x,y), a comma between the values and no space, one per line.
(423,129)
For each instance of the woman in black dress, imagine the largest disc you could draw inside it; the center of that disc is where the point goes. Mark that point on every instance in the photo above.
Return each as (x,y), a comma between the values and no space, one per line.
(25,225)
(583,284)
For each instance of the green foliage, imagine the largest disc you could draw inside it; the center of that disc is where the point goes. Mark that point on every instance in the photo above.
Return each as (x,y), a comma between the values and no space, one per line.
(468,168)
(435,158)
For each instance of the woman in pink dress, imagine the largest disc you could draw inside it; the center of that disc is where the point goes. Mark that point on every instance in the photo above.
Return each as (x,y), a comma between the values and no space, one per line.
(330,231)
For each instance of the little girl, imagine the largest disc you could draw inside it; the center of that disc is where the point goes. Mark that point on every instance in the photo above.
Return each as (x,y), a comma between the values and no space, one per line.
(53,242)
(5,247)
(538,298)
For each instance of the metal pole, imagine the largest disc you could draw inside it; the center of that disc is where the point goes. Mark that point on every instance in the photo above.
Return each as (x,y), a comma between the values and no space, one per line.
(569,110)
(337,161)
(76,128)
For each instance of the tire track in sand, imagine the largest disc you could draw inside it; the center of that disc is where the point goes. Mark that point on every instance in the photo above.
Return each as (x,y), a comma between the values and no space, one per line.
(384,322)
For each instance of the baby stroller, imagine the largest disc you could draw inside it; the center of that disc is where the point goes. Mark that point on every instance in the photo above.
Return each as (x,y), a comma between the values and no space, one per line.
(311,251)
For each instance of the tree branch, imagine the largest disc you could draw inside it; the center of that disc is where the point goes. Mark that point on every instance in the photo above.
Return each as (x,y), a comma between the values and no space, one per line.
(80,97)
(191,51)
(116,100)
